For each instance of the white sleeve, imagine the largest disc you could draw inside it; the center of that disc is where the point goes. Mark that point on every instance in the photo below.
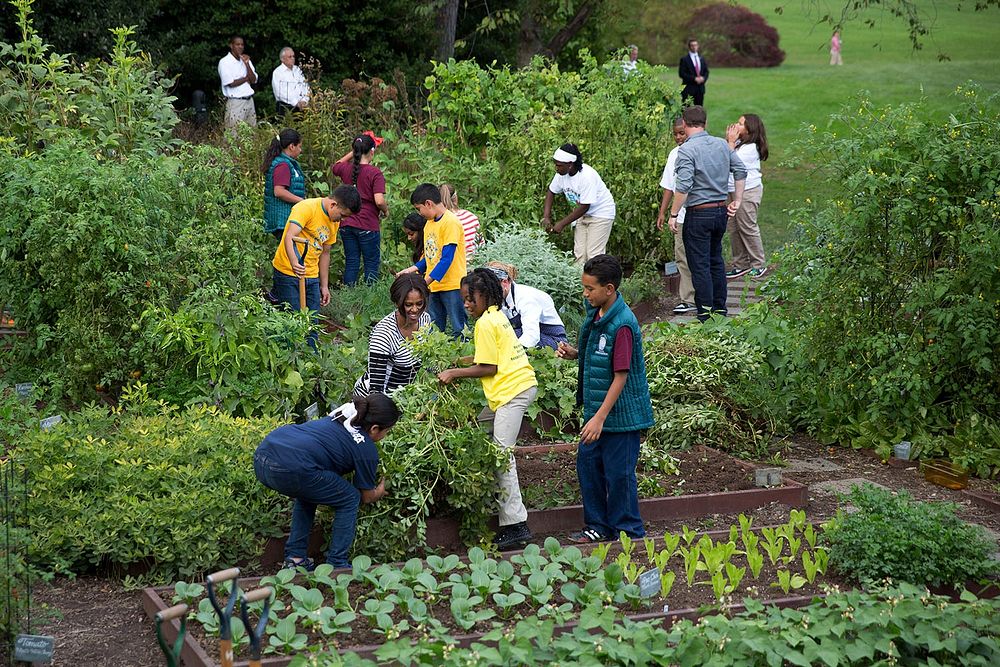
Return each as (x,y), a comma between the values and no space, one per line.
(588,191)
(554,186)
(669,178)
(276,82)
(531,315)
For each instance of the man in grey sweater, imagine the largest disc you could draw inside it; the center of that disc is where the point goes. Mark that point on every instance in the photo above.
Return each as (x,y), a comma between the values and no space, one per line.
(704,164)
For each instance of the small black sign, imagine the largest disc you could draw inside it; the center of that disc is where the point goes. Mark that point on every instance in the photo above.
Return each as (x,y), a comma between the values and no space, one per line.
(312,411)
(649,583)
(24,389)
(34,648)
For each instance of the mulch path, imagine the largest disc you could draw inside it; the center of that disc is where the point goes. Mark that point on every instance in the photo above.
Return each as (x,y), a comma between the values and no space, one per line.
(95,622)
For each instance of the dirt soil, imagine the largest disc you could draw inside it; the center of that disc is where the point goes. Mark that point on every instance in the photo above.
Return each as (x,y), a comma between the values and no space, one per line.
(95,622)
(549,479)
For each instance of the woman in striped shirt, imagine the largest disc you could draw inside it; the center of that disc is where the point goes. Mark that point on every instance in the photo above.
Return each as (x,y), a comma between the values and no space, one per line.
(391,362)
(470,221)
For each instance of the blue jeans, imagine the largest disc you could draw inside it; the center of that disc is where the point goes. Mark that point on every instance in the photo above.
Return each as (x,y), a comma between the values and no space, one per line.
(702,232)
(286,290)
(606,471)
(360,243)
(309,489)
(445,307)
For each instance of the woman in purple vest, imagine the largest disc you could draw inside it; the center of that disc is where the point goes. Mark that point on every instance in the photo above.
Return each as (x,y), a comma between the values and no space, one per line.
(361,233)
(285,184)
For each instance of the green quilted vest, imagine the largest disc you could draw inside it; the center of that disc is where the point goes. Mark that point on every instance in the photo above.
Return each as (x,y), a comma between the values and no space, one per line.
(276,211)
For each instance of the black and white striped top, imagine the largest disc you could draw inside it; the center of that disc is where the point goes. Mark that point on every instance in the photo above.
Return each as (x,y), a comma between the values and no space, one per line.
(391,362)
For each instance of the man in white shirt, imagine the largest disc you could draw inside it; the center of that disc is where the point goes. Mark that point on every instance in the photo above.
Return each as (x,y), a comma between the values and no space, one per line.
(289,84)
(238,76)
(667,182)
(531,312)
(594,209)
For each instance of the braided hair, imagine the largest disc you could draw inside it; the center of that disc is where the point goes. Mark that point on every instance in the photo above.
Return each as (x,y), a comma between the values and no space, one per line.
(362,146)
(486,283)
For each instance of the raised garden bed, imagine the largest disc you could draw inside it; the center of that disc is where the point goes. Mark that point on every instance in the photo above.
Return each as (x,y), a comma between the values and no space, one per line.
(465,599)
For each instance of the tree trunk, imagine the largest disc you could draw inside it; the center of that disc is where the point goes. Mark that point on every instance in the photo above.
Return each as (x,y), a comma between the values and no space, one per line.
(531,42)
(447,19)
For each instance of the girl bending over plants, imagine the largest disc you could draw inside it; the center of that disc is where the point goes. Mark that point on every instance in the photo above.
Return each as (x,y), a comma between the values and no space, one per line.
(510,387)
(308,462)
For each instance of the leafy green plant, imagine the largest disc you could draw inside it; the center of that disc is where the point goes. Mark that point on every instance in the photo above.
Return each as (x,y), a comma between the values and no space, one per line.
(147,486)
(774,543)
(284,638)
(788,581)
(891,535)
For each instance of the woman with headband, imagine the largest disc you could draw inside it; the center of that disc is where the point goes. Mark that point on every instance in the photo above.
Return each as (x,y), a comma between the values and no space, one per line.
(531,312)
(593,211)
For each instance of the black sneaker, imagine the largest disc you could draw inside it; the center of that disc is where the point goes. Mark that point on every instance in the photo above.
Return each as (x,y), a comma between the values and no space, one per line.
(736,273)
(508,536)
(305,563)
(684,307)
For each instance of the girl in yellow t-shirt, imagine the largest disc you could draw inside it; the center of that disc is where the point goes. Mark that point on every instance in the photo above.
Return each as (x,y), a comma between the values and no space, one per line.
(510,387)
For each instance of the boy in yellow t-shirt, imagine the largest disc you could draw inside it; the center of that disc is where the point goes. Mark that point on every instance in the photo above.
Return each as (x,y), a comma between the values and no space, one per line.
(316,220)
(444,259)
(510,387)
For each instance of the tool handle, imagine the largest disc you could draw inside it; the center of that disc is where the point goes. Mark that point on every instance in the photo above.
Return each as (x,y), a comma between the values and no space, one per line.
(258,595)
(223,575)
(170,614)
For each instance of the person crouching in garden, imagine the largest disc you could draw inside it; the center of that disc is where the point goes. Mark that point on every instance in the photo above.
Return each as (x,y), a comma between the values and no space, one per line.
(284,183)
(613,390)
(532,313)
(510,387)
(307,462)
(315,220)
(391,362)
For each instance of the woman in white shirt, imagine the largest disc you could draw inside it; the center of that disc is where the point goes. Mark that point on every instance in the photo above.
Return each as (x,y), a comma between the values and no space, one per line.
(593,206)
(531,312)
(749,139)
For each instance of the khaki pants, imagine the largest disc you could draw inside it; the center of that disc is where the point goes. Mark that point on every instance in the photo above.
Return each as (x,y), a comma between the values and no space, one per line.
(240,111)
(590,238)
(835,58)
(744,234)
(687,287)
(504,425)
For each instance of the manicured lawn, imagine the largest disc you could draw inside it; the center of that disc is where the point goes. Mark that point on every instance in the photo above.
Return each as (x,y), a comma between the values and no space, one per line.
(805,89)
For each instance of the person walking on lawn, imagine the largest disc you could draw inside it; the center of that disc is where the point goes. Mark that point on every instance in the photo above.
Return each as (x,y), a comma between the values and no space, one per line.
(510,387)
(704,164)
(308,463)
(614,392)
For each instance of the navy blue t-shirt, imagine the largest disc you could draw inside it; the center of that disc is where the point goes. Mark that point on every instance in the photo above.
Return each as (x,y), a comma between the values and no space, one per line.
(323,444)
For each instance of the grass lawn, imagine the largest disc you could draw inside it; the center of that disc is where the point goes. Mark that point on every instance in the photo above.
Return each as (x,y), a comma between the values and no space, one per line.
(805,89)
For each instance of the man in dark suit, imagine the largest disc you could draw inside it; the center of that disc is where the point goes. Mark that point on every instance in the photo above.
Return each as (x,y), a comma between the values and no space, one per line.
(693,71)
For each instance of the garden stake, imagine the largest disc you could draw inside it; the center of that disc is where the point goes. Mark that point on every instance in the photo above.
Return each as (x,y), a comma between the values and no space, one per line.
(225,614)
(256,633)
(173,653)
(302,260)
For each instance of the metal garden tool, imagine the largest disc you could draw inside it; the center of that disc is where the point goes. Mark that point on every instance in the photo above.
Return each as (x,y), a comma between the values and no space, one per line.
(172,653)
(302,260)
(225,613)
(256,633)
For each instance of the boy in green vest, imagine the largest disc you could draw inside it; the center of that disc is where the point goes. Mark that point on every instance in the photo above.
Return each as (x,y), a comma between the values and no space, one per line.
(614,393)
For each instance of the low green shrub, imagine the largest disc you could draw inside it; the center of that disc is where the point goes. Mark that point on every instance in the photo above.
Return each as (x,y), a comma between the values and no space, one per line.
(892,536)
(147,488)
(903,624)
(245,357)
(709,385)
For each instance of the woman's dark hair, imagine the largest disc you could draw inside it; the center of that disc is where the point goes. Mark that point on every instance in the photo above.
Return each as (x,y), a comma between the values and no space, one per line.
(348,196)
(486,283)
(362,146)
(375,409)
(606,269)
(285,138)
(416,223)
(571,148)
(403,285)
(756,134)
